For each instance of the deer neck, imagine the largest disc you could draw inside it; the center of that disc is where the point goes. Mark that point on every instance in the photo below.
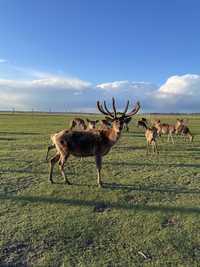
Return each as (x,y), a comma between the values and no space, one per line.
(113,135)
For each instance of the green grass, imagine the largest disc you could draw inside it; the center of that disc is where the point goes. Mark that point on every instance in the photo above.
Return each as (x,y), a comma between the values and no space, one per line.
(147,214)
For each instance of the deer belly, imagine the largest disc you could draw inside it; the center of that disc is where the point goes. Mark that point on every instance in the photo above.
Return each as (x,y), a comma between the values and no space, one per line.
(82,149)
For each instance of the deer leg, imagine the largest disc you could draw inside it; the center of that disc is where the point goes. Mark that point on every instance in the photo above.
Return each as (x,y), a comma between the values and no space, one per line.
(168,137)
(61,165)
(52,163)
(172,138)
(155,147)
(49,148)
(147,151)
(98,159)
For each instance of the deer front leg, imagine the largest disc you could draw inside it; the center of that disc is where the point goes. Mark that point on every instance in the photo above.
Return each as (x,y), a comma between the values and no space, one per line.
(98,159)
(49,148)
(52,163)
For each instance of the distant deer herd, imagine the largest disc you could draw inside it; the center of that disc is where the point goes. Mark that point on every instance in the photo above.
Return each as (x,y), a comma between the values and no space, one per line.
(85,138)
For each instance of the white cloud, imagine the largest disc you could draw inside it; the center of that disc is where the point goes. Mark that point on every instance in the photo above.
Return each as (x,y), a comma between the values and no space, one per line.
(179,93)
(42,91)
(117,85)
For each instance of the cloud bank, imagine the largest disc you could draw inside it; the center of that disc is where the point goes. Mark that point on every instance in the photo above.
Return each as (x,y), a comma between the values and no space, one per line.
(59,93)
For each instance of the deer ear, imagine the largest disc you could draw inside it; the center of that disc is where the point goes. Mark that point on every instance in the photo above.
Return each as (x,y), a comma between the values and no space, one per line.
(87,120)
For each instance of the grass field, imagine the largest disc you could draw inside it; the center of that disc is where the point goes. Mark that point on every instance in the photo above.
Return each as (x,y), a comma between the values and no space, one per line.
(147,214)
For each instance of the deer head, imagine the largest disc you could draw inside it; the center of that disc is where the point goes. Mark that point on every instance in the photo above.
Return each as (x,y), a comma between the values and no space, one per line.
(117,118)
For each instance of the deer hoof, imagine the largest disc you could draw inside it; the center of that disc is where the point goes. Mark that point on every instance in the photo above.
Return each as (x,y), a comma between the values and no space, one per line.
(100,185)
(51,181)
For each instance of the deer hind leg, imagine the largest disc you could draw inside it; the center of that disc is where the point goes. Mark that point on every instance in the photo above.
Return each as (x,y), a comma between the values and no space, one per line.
(155,147)
(168,137)
(48,149)
(62,161)
(52,163)
(98,160)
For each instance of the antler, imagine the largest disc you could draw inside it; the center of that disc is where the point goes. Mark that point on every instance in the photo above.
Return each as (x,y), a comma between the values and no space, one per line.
(100,107)
(109,113)
(125,110)
(105,110)
(133,111)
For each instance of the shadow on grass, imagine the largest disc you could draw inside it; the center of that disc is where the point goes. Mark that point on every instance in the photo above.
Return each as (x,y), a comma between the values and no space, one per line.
(129,148)
(166,189)
(132,134)
(7,139)
(91,203)
(186,165)
(20,133)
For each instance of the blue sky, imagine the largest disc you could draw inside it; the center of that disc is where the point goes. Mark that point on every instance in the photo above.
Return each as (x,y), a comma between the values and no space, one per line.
(97,43)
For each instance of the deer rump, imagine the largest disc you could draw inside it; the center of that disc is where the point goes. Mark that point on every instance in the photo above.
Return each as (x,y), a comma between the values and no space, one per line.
(81,143)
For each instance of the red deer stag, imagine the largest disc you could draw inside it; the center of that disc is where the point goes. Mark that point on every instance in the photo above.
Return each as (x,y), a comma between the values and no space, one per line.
(95,143)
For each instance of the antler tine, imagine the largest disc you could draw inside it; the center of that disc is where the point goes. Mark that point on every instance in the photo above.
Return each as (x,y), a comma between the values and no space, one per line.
(109,113)
(100,107)
(126,108)
(134,110)
(114,107)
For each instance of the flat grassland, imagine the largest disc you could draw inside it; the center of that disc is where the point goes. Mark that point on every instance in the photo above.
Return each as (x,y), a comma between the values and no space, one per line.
(147,214)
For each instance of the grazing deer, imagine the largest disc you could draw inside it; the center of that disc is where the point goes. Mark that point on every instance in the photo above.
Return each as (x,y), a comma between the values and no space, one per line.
(91,124)
(142,123)
(95,143)
(165,128)
(182,129)
(78,123)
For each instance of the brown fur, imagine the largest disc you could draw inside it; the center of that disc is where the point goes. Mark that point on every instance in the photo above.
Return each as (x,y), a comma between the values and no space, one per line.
(142,123)
(183,130)
(151,135)
(166,129)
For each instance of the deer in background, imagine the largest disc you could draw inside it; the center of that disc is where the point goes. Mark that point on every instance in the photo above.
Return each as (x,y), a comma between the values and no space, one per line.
(165,128)
(126,123)
(151,135)
(78,123)
(142,123)
(91,124)
(105,123)
(95,143)
(183,129)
